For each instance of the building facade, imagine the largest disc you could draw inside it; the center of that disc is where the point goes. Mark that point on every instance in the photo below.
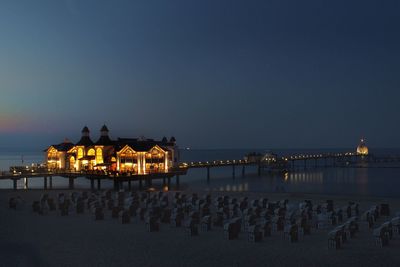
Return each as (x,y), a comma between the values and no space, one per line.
(124,155)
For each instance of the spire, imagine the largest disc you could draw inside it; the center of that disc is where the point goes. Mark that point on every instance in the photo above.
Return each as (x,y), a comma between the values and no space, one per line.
(85,131)
(85,140)
(104,139)
(104,130)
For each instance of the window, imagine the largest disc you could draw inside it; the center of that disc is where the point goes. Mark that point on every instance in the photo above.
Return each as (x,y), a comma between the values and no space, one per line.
(80,153)
(99,156)
(91,152)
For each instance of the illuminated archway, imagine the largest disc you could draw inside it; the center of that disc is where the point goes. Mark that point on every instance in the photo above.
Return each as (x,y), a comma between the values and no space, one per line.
(72,162)
(91,152)
(80,153)
(99,156)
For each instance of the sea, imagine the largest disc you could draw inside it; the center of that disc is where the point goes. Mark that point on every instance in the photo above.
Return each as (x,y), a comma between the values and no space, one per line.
(381,180)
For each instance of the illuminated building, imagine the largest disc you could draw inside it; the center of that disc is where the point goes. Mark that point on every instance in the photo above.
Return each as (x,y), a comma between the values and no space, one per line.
(362,149)
(125,155)
(56,155)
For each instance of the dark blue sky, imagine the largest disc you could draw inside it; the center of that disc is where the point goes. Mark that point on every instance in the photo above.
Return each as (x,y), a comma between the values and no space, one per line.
(215,74)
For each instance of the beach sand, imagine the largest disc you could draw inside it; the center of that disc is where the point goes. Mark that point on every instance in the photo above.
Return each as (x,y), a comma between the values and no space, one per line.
(29,239)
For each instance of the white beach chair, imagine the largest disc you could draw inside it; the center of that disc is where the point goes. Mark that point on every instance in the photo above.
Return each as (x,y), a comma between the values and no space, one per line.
(396,225)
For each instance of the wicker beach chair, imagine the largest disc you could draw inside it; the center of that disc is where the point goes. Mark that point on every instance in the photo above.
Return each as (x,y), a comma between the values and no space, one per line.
(98,214)
(396,225)
(205,223)
(254,234)
(232,229)
(381,236)
(335,239)
(152,224)
(124,217)
(192,227)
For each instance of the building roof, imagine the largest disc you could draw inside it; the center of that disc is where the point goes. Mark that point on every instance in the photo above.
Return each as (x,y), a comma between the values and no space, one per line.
(85,141)
(64,146)
(104,129)
(104,140)
(85,130)
(139,145)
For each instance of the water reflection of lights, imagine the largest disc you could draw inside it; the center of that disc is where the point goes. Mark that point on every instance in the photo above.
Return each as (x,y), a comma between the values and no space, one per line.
(235,188)
(304,177)
(25,183)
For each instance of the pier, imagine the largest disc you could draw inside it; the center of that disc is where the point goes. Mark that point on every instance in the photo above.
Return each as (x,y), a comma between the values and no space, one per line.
(266,163)
(96,178)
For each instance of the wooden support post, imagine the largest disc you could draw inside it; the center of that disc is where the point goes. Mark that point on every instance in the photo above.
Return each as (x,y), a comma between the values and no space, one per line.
(45,182)
(116,185)
(243,171)
(233,171)
(14,184)
(169,182)
(163,181)
(305,164)
(208,174)
(51,182)
(71,182)
(140,184)
(177,181)
(98,184)
(129,184)
(92,184)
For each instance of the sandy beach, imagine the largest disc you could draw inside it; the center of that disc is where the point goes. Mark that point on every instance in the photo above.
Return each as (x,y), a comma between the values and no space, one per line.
(30,239)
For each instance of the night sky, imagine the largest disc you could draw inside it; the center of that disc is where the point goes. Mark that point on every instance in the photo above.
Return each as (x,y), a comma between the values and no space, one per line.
(214,74)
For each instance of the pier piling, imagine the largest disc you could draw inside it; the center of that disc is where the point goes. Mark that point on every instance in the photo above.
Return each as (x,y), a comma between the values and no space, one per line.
(14,184)
(51,182)
(140,184)
(71,182)
(45,182)
(129,185)
(233,171)
(98,184)
(243,171)
(149,182)
(116,185)
(208,174)
(177,181)
(92,184)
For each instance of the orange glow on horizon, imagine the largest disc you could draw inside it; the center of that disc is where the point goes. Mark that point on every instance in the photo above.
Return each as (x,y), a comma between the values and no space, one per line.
(13,123)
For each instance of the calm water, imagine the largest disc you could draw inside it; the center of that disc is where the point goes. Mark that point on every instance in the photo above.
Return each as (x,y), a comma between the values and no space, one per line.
(355,181)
